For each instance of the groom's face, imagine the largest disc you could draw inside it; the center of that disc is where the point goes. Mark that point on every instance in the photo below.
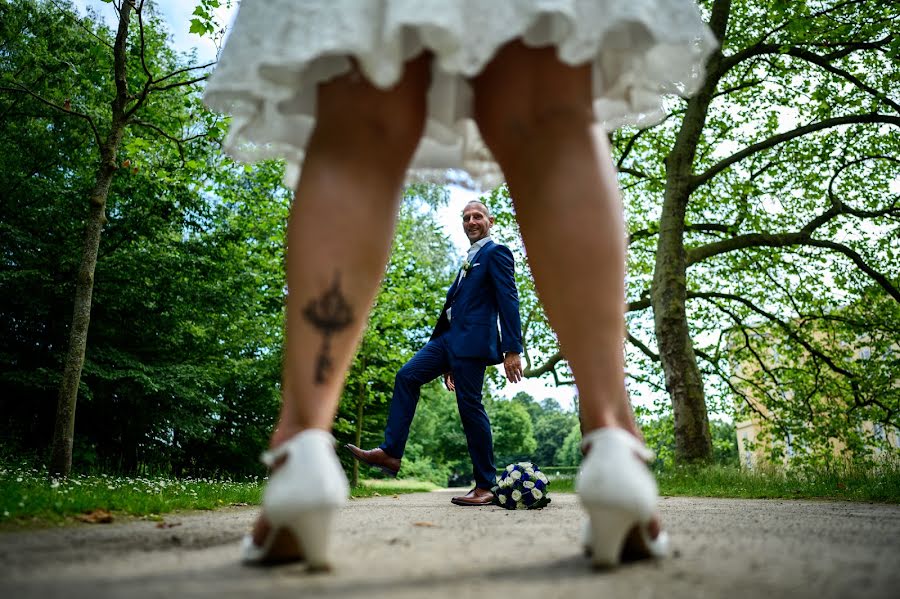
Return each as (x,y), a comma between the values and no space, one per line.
(476,223)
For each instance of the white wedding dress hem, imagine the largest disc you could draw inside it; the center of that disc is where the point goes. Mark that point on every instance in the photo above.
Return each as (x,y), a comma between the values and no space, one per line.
(280,50)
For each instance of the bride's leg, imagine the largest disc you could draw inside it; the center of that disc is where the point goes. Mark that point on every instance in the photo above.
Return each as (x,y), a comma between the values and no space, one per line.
(340,231)
(338,240)
(535,115)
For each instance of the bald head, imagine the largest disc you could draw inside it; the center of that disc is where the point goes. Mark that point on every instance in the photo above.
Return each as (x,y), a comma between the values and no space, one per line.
(478,204)
(477,221)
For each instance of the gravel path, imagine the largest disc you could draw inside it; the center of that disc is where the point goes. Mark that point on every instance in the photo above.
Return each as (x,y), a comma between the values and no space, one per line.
(420,545)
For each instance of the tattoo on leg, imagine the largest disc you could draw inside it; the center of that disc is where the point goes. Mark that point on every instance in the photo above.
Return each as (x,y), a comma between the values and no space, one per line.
(330,314)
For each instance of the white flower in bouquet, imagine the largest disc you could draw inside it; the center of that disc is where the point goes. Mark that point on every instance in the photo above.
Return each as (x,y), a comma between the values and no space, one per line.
(516,495)
(536,493)
(501,498)
(528,484)
(510,468)
(516,475)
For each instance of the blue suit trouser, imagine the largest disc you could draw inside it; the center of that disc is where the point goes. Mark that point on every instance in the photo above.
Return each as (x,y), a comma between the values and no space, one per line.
(430,362)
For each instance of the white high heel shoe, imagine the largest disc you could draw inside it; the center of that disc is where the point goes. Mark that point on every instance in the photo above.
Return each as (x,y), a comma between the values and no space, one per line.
(302,497)
(619,494)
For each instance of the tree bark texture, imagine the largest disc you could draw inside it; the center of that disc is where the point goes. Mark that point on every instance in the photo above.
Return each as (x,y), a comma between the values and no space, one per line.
(684,383)
(64,427)
(357,439)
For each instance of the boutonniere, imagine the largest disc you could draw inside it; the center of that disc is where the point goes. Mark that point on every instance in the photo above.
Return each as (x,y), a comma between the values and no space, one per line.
(466,267)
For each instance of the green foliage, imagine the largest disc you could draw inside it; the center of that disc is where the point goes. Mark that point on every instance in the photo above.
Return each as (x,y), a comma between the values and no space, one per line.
(790,227)
(878,482)
(658,428)
(569,453)
(182,362)
(513,432)
(28,497)
(29,494)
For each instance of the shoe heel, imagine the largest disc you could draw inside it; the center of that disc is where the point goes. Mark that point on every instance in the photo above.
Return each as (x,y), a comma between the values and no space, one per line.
(313,531)
(607,530)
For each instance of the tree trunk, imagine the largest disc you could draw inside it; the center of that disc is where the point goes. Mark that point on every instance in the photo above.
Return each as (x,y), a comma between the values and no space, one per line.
(676,350)
(64,429)
(357,438)
(669,294)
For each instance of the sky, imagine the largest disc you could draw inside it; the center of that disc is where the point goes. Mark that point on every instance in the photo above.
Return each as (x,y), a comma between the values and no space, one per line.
(177,13)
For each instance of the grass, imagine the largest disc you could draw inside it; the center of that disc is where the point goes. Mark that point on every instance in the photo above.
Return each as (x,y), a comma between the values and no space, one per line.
(879,484)
(29,498)
(381,487)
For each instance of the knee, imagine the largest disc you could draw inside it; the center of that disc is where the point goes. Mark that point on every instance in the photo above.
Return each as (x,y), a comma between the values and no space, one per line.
(405,377)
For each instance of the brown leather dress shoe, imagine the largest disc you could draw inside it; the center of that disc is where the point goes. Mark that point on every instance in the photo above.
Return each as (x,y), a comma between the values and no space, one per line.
(475,497)
(375,457)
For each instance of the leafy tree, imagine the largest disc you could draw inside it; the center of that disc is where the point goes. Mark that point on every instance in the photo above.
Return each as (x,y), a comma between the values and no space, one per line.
(551,425)
(569,453)
(125,92)
(181,361)
(513,432)
(767,197)
(550,432)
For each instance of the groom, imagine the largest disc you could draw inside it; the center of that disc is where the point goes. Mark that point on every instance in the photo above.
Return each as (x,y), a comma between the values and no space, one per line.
(465,341)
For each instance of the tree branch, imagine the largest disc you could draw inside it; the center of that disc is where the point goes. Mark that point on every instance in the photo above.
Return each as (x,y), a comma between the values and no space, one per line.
(548,366)
(698,180)
(641,304)
(179,84)
(86,117)
(641,346)
(184,70)
(789,331)
(824,62)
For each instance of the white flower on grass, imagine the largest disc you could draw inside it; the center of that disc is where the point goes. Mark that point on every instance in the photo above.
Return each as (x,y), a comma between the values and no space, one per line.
(536,493)
(528,484)
(516,495)
(516,475)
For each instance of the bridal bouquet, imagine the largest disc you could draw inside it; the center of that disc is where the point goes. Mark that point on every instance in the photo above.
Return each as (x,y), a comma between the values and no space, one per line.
(522,486)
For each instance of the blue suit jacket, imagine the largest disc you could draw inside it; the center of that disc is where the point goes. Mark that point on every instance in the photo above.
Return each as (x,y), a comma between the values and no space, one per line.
(485,296)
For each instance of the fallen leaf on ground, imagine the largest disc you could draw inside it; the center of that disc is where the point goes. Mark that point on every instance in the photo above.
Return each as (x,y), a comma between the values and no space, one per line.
(376,494)
(426,524)
(95,517)
(167,524)
(396,497)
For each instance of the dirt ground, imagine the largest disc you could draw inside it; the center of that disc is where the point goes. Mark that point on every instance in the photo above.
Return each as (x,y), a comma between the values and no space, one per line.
(420,545)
